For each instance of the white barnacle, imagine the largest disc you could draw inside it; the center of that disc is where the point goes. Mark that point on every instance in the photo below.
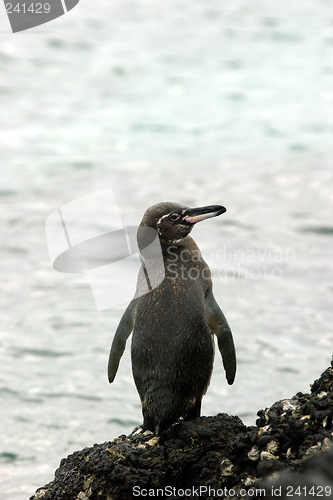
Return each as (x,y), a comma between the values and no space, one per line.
(288,405)
(254,453)
(226,467)
(266,455)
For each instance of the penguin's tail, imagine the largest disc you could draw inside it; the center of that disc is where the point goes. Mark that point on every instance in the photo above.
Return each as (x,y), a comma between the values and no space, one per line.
(161,410)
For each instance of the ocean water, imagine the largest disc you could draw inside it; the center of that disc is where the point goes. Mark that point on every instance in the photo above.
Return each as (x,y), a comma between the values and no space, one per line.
(200,103)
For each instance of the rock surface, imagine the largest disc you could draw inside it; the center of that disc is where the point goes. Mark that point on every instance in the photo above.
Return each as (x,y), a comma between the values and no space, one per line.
(211,457)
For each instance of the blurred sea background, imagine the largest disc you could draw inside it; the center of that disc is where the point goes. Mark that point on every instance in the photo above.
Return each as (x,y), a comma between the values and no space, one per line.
(202,102)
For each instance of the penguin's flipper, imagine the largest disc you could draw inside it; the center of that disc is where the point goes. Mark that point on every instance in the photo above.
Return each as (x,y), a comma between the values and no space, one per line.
(219,326)
(123,331)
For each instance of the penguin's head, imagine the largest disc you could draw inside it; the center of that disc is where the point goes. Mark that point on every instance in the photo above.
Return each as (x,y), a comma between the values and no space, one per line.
(173,221)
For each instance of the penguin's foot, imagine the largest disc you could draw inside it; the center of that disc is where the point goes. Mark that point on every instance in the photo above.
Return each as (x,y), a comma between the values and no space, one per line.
(140,430)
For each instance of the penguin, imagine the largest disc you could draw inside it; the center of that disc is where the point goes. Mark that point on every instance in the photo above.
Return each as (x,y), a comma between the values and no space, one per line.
(173,324)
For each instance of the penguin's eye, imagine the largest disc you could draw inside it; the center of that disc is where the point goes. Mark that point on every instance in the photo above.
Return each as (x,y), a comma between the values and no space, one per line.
(174,217)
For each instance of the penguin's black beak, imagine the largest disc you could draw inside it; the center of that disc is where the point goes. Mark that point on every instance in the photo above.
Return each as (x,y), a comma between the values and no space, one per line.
(194,215)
